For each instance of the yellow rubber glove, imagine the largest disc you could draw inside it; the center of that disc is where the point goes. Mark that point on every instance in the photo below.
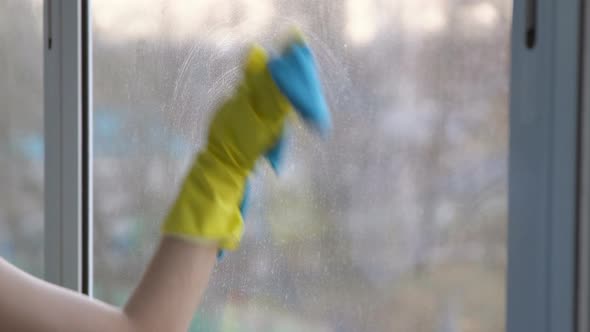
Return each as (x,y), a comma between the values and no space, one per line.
(245,127)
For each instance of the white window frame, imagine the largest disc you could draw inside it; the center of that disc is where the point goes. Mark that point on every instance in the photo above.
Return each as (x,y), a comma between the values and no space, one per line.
(583,282)
(544,165)
(68,144)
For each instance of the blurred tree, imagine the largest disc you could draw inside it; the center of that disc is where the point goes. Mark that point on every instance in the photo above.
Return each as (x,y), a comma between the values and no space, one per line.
(21,130)
(405,202)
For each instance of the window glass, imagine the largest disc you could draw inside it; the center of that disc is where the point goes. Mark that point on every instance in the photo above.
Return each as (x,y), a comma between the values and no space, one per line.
(21,134)
(397,222)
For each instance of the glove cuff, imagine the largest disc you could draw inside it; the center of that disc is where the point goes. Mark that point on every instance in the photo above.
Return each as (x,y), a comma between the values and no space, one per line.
(207,206)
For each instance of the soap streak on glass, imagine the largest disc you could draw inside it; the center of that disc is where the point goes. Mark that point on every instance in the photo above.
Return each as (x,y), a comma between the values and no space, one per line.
(397,222)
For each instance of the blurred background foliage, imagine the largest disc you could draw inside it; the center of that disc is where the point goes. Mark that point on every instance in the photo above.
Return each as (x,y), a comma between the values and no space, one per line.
(396,223)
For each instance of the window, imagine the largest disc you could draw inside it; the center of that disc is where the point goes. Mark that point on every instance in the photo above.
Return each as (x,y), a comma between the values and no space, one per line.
(397,222)
(21,134)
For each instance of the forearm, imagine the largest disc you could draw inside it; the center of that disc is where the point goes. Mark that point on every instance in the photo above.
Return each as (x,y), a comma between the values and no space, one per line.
(172,286)
(165,300)
(31,304)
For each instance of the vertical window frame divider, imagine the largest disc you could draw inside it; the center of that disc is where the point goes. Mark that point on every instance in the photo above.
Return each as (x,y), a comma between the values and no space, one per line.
(583,282)
(67,48)
(544,167)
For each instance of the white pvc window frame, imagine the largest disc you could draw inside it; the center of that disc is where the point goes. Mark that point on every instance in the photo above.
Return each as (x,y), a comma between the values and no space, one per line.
(583,282)
(68,144)
(544,170)
(546,155)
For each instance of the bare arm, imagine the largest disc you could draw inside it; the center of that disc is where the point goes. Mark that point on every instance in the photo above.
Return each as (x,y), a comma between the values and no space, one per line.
(165,300)
(171,288)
